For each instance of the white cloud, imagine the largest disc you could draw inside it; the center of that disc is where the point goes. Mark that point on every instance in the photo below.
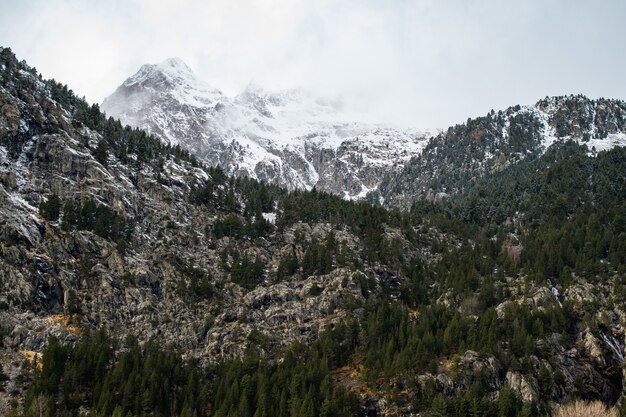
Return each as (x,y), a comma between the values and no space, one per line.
(427,63)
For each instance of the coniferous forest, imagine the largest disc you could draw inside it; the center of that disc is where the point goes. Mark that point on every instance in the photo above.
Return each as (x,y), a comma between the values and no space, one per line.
(453,303)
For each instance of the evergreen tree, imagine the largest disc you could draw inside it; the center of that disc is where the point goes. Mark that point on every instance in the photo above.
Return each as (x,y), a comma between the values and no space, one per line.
(51,208)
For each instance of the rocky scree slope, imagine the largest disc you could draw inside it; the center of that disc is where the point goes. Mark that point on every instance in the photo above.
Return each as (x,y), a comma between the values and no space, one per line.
(289,138)
(454,160)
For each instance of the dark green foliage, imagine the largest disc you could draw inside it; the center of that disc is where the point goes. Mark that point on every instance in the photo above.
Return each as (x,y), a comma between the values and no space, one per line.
(394,343)
(51,208)
(415,289)
(288,265)
(200,286)
(101,152)
(97,218)
(315,290)
(259,227)
(221,194)
(572,207)
(300,385)
(259,199)
(148,381)
(203,195)
(318,259)
(472,404)
(246,272)
(141,381)
(194,284)
(231,226)
(71,303)
(319,207)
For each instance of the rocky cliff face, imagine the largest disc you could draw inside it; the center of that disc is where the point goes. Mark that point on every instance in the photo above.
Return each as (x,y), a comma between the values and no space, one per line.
(289,138)
(145,241)
(56,279)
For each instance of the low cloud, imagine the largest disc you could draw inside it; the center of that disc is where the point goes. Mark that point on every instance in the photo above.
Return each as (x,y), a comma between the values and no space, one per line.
(422,63)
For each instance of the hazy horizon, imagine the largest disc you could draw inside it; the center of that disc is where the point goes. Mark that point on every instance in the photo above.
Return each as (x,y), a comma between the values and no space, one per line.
(418,63)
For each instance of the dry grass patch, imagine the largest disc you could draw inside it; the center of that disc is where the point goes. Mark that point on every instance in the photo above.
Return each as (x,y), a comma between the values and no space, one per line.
(32,357)
(66,321)
(580,408)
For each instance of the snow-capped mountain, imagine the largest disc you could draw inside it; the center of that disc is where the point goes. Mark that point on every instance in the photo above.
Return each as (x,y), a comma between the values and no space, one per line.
(291,137)
(456,159)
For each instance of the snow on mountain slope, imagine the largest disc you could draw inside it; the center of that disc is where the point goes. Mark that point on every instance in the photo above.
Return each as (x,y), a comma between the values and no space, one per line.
(600,125)
(290,137)
(455,159)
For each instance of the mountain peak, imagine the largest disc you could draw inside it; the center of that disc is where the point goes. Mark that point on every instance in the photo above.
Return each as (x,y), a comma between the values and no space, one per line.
(286,136)
(174,66)
(170,82)
(171,72)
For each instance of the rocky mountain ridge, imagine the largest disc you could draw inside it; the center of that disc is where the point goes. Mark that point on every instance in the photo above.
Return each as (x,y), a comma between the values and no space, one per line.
(289,138)
(297,141)
(455,159)
(102,225)
(111,283)
(146,242)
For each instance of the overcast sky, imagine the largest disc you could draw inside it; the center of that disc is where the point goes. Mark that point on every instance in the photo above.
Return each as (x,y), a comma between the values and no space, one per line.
(421,63)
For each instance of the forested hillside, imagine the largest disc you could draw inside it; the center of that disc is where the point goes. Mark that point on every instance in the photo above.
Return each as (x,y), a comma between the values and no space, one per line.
(134,281)
(455,160)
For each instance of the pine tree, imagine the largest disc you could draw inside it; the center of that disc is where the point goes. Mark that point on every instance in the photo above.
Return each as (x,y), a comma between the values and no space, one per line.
(51,208)
(101,152)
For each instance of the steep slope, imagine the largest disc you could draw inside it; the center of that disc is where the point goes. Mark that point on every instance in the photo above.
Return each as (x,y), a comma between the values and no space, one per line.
(289,138)
(454,160)
(103,225)
(108,223)
(400,313)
